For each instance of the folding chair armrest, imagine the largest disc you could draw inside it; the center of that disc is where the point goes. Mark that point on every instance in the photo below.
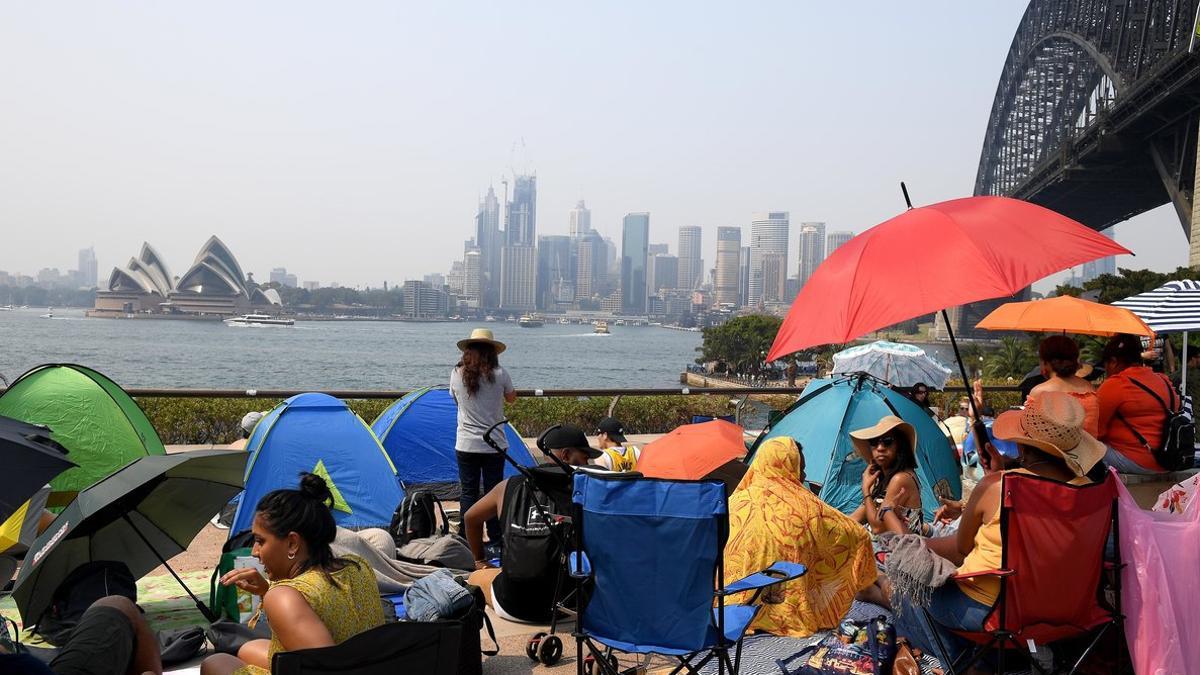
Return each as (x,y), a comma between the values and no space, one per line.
(578,565)
(779,572)
(984,573)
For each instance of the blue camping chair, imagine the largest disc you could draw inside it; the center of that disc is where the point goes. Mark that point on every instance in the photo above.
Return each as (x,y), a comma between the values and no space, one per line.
(650,597)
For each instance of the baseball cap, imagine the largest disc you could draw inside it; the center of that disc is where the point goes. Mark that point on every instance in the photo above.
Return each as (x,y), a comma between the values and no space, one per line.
(613,427)
(567,437)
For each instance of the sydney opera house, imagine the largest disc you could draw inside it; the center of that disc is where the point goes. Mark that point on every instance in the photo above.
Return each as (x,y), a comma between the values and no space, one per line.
(214,287)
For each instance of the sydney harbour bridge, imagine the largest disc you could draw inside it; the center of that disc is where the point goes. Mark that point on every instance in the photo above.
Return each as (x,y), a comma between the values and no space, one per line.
(1097,112)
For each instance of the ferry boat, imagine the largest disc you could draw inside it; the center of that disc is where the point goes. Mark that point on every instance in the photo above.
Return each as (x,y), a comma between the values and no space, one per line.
(489,319)
(49,313)
(530,321)
(564,321)
(259,320)
(600,327)
(620,322)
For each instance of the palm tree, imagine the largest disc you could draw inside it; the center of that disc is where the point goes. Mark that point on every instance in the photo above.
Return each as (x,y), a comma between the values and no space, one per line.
(1013,359)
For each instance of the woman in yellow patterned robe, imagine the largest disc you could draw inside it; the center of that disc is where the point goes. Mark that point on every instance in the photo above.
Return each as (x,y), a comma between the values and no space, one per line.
(772,516)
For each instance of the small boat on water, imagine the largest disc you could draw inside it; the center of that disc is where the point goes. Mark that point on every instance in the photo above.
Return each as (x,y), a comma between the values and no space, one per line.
(530,321)
(489,319)
(620,322)
(259,320)
(564,321)
(601,328)
(6,308)
(49,313)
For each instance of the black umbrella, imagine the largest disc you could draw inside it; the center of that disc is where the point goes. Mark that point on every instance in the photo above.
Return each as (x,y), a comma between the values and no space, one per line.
(30,459)
(141,515)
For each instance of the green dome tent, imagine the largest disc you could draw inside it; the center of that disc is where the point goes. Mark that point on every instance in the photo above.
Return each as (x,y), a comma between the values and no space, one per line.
(88,414)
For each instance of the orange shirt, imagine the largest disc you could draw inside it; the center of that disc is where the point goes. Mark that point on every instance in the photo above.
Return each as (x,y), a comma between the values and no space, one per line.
(1138,409)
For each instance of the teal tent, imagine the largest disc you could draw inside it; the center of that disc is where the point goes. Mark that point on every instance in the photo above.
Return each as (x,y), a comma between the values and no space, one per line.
(319,434)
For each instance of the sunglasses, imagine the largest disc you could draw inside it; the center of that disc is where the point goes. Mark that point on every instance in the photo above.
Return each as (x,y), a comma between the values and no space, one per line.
(883,441)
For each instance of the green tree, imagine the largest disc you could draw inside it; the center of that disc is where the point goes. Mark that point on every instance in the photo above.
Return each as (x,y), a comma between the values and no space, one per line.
(1013,358)
(740,343)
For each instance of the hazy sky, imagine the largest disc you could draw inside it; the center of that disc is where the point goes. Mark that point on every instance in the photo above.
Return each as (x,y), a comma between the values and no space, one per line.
(349,142)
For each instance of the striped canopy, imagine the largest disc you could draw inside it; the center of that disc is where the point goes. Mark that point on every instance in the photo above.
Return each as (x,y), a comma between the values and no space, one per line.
(1170,308)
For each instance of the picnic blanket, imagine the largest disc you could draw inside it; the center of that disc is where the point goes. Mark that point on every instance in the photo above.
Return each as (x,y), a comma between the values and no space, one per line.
(393,576)
(772,516)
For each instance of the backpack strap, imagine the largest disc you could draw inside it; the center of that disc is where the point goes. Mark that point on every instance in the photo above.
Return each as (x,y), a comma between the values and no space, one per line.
(445,521)
(1141,439)
(1148,390)
(487,623)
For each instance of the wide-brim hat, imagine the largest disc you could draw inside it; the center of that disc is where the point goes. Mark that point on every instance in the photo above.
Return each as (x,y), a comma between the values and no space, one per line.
(1052,421)
(484,336)
(888,423)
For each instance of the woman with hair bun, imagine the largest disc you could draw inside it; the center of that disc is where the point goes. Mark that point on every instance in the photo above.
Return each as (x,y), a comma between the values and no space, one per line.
(1059,358)
(313,599)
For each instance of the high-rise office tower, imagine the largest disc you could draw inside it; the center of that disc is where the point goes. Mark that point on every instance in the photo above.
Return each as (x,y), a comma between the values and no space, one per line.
(768,234)
(664,272)
(472,276)
(691,267)
(812,250)
(555,273)
(87,270)
(1095,268)
(635,243)
(518,258)
(591,265)
(580,221)
(744,277)
(488,240)
(774,266)
(658,249)
(834,240)
(729,251)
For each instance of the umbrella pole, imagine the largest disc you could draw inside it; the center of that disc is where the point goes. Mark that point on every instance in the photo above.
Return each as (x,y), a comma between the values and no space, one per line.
(1187,352)
(208,613)
(978,428)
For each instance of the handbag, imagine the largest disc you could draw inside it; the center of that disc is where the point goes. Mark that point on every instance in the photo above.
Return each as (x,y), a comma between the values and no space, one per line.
(907,660)
(227,637)
(855,648)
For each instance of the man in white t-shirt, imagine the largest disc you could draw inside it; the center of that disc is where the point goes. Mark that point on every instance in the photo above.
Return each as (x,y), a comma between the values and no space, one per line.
(617,454)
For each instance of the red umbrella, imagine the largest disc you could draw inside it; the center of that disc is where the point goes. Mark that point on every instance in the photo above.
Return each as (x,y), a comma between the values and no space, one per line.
(931,258)
(692,450)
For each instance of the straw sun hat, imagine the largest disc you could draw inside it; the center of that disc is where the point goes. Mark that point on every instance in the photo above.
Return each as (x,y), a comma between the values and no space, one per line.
(1053,422)
(484,336)
(887,424)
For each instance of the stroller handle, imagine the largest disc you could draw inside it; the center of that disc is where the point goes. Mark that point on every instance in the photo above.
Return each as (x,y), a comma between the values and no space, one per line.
(487,438)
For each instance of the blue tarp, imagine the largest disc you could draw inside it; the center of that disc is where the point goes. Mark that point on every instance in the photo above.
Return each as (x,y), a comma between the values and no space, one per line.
(320,434)
(824,416)
(418,434)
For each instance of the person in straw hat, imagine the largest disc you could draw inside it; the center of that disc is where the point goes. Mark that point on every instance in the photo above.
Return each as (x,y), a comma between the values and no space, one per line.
(889,449)
(1052,444)
(480,387)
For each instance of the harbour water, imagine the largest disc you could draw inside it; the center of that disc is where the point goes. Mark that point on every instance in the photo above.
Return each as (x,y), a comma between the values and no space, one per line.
(336,354)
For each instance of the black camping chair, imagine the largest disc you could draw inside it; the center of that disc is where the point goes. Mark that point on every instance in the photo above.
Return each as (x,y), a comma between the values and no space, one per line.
(554,484)
(429,648)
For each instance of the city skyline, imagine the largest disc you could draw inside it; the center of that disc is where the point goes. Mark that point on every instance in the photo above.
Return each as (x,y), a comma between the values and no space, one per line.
(338,164)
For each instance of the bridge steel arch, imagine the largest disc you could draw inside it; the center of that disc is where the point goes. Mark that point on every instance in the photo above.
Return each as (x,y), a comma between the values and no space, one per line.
(1097,109)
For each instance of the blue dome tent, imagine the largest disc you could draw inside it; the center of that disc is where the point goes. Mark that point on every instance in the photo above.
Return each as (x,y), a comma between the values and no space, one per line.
(418,431)
(821,421)
(319,434)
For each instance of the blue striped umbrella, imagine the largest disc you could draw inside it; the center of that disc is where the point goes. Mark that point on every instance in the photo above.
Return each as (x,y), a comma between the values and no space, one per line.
(1173,307)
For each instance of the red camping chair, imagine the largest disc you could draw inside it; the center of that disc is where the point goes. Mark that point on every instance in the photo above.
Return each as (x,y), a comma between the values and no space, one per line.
(1052,568)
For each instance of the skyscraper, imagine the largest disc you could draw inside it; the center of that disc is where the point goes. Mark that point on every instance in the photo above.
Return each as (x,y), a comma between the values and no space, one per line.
(555,273)
(591,265)
(744,277)
(1095,268)
(768,234)
(691,267)
(635,244)
(665,272)
(518,258)
(488,241)
(812,250)
(581,221)
(774,276)
(729,250)
(471,277)
(87,270)
(834,240)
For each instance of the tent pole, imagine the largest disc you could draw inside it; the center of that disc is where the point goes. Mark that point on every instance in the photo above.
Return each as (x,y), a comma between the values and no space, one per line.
(208,613)
(978,428)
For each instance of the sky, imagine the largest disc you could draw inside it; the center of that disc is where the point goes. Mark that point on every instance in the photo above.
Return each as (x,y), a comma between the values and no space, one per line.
(350,142)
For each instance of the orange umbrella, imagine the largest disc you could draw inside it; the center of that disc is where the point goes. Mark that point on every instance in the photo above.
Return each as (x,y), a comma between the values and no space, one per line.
(692,451)
(1065,314)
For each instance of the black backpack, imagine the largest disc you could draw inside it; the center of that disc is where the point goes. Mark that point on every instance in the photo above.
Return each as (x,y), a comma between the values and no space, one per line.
(531,550)
(83,586)
(416,518)
(1178,447)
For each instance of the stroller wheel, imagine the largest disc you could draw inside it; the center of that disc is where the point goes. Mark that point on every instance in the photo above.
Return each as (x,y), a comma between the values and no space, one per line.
(531,648)
(550,651)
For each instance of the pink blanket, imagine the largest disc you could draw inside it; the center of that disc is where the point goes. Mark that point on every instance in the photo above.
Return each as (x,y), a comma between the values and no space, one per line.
(1161,586)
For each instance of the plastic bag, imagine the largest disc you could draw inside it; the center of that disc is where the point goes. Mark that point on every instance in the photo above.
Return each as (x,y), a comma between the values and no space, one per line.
(1160,586)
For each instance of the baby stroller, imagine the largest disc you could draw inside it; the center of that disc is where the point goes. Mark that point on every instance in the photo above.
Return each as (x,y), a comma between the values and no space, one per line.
(547,535)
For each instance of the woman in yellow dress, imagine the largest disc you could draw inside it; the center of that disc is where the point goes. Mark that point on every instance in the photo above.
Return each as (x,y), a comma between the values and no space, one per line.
(312,599)
(772,516)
